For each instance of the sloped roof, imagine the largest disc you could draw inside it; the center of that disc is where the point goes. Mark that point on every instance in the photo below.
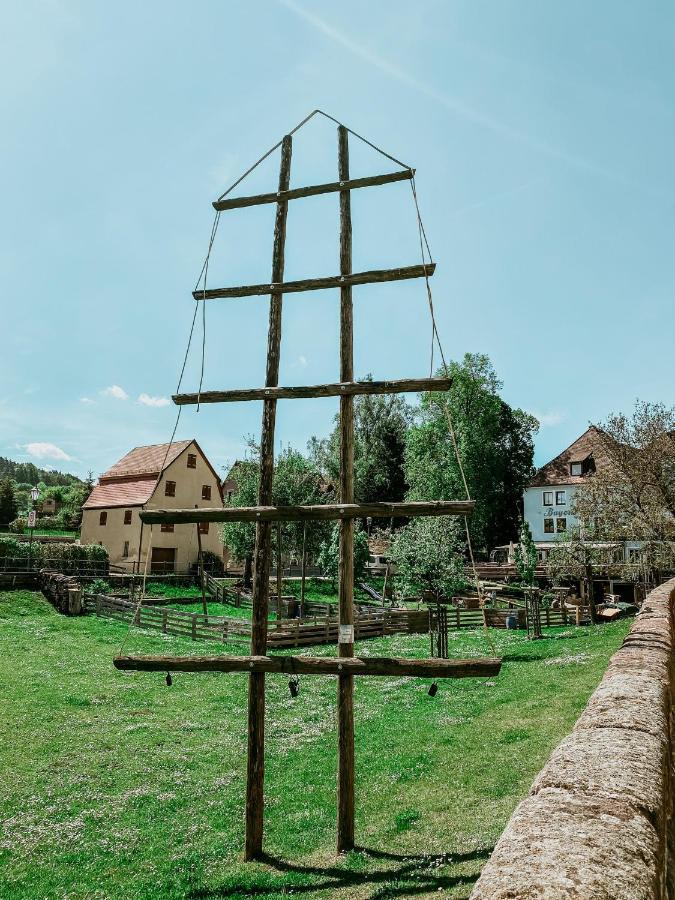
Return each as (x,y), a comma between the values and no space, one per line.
(557,471)
(132,480)
(129,492)
(147,460)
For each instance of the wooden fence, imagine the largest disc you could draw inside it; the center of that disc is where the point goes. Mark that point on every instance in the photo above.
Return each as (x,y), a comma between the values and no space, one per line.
(282,632)
(496,618)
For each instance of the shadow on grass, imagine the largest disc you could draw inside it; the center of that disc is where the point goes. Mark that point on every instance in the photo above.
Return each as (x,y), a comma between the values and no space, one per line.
(410,874)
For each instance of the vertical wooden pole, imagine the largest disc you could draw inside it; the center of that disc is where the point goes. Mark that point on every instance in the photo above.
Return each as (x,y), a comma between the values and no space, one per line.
(304,571)
(263,540)
(345,815)
(279,575)
(201,574)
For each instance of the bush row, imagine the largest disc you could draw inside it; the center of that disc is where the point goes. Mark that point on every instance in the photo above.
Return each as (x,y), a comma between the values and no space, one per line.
(70,559)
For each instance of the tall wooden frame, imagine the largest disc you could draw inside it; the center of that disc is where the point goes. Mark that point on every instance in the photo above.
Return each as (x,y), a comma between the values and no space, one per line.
(346,666)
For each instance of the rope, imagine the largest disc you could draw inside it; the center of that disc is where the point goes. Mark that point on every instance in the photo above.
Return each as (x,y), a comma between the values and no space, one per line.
(314,112)
(141,596)
(435,338)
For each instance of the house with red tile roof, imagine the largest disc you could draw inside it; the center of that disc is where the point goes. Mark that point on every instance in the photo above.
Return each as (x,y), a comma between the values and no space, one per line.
(547,500)
(159,476)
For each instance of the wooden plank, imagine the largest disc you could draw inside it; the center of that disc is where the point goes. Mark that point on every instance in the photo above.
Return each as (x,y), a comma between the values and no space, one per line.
(339,389)
(277,286)
(312,190)
(263,542)
(345,689)
(478,667)
(328,511)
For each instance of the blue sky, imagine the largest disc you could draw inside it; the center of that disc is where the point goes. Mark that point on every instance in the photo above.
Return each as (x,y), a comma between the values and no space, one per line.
(543,135)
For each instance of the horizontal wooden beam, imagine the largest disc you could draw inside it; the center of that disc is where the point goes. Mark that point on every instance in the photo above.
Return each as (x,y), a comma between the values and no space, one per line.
(341,389)
(375,276)
(308,513)
(297,193)
(315,665)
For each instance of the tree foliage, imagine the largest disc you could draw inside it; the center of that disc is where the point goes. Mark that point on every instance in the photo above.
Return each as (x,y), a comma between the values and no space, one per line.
(329,554)
(380,425)
(9,508)
(429,555)
(631,496)
(495,444)
(525,556)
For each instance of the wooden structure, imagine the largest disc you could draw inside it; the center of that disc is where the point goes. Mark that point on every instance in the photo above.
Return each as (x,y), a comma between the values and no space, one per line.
(345,666)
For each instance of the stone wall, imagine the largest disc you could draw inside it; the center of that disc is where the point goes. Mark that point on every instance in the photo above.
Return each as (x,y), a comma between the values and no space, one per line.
(597,822)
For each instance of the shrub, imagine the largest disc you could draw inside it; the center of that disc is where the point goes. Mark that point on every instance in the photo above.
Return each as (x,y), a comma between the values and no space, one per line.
(18,526)
(213,564)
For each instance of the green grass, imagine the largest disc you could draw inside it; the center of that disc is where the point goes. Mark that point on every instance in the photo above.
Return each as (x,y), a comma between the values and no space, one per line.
(115,786)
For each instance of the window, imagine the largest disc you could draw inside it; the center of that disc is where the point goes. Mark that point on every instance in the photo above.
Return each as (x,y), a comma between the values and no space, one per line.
(125,552)
(576,468)
(206,492)
(547,498)
(166,527)
(192,460)
(127,517)
(203,527)
(560,498)
(103,517)
(548,526)
(561,524)
(229,495)
(170,489)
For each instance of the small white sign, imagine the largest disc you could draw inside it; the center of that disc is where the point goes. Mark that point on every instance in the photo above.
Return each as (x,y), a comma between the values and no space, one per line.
(346,634)
(32,518)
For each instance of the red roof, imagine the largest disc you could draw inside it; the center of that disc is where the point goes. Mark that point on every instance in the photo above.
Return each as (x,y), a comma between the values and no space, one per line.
(129,492)
(148,460)
(132,480)
(557,471)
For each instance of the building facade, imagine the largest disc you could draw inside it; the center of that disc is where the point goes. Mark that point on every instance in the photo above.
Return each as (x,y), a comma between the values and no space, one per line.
(547,500)
(160,476)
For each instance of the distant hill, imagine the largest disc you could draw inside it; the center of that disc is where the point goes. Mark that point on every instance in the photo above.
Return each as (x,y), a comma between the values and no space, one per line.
(28,473)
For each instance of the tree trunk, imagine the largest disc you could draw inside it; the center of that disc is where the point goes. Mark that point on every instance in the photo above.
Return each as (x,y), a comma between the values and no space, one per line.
(591,598)
(248,571)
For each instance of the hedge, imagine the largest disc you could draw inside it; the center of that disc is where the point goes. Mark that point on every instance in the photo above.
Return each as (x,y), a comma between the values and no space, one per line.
(70,559)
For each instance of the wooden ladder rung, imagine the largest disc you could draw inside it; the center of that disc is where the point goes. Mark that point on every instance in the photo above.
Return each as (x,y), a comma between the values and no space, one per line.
(374,276)
(340,389)
(328,511)
(312,190)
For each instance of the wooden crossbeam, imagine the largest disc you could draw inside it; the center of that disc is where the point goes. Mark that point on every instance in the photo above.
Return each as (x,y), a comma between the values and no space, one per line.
(312,190)
(318,512)
(375,276)
(339,389)
(480,667)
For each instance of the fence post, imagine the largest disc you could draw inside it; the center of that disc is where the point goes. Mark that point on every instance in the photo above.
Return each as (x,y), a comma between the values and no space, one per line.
(194,626)
(165,614)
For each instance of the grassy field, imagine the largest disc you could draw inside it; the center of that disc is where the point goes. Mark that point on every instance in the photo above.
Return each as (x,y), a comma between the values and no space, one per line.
(116,786)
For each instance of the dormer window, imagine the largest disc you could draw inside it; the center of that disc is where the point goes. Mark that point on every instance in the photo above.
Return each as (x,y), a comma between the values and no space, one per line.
(576,468)
(192,460)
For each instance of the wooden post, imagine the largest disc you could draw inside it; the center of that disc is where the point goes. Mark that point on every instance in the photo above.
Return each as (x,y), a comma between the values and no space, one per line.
(201,575)
(304,570)
(279,575)
(263,541)
(345,799)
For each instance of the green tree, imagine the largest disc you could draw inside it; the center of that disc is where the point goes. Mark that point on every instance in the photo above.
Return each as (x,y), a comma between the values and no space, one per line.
(429,555)
(239,537)
(495,444)
(9,508)
(380,424)
(525,556)
(329,554)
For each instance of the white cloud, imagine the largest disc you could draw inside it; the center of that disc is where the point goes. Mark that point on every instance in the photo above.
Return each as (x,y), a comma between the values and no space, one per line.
(302,362)
(147,400)
(87,401)
(549,419)
(45,450)
(115,391)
